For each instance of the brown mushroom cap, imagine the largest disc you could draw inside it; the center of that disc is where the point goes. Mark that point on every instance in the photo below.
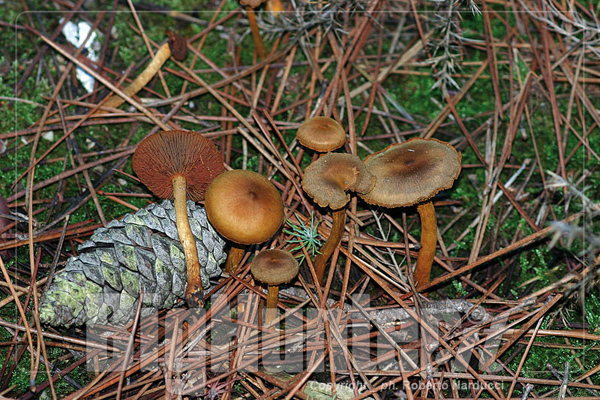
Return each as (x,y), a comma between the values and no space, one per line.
(252,3)
(244,207)
(274,267)
(321,134)
(164,155)
(327,179)
(411,172)
(178,45)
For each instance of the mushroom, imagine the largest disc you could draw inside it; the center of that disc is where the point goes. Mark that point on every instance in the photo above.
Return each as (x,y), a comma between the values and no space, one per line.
(180,165)
(250,5)
(412,173)
(326,180)
(245,208)
(176,46)
(322,134)
(273,267)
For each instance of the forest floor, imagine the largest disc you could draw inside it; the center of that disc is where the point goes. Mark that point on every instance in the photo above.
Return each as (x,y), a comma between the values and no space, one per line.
(513,308)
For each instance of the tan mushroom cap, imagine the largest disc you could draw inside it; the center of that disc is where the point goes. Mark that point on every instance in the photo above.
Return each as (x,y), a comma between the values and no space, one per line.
(327,179)
(321,134)
(274,267)
(164,155)
(411,172)
(252,3)
(244,207)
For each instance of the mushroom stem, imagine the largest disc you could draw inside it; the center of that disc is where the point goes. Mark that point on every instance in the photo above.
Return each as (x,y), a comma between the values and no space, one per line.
(422,274)
(272,299)
(236,253)
(162,55)
(258,42)
(333,241)
(194,295)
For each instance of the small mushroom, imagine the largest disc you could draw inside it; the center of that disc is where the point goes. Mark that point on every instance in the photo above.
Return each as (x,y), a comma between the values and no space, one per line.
(322,134)
(180,165)
(250,5)
(245,208)
(176,46)
(412,173)
(273,267)
(327,180)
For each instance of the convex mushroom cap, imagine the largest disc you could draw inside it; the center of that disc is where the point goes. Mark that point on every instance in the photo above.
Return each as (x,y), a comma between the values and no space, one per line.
(164,155)
(244,207)
(321,134)
(411,172)
(274,267)
(327,179)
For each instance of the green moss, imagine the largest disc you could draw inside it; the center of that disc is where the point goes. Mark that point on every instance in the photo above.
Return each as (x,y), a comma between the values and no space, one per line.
(414,94)
(479,100)
(539,358)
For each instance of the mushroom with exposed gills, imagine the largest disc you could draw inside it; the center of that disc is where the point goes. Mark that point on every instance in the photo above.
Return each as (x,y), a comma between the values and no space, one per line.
(273,267)
(180,165)
(326,181)
(322,134)
(245,208)
(412,173)
(176,46)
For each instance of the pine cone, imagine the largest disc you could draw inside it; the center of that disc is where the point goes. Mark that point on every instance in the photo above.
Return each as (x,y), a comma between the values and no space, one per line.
(142,251)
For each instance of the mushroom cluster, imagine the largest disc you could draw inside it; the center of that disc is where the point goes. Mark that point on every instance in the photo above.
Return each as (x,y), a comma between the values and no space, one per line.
(401,175)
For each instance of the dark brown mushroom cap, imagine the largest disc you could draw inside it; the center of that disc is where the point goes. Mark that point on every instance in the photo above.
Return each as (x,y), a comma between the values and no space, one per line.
(164,155)
(411,172)
(321,134)
(178,45)
(274,267)
(327,179)
(244,207)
